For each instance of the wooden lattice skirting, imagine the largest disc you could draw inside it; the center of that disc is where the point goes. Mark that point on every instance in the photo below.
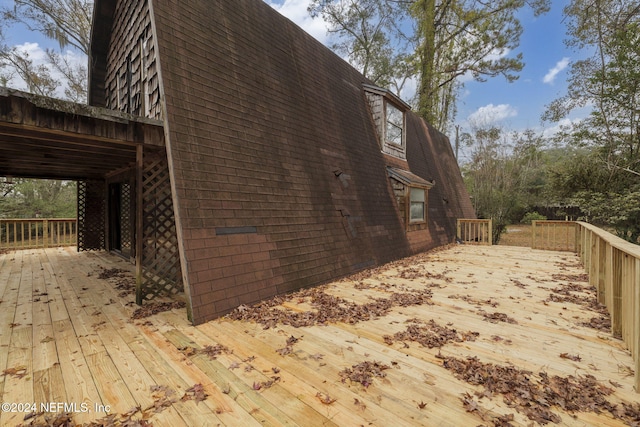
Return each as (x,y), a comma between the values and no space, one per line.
(91,215)
(160,261)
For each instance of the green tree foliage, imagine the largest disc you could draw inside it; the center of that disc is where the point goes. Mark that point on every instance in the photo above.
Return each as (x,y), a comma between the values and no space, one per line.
(603,174)
(456,38)
(367,33)
(32,198)
(68,22)
(13,61)
(505,176)
(437,42)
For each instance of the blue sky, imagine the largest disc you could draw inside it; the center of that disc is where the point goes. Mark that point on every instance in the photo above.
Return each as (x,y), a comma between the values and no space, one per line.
(514,106)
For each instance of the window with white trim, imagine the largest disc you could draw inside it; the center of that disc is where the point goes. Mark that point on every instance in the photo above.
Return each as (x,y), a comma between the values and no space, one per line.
(395,125)
(417,204)
(388,112)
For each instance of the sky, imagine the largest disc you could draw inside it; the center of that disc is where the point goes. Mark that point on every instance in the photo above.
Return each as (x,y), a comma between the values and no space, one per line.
(514,106)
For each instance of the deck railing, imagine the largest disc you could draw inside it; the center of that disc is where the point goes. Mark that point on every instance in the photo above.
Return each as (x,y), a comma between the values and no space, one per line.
(613,265)
(554,235)
(37,233)
(475,231)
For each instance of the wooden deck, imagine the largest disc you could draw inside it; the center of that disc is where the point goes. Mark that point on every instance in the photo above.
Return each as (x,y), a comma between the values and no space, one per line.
(67,338)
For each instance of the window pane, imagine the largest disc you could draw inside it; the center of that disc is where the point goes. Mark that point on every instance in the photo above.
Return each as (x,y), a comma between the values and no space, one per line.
(395,122)
(417,195)
(417,211)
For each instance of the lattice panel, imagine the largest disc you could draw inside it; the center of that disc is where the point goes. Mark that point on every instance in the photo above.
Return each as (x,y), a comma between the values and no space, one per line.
(161,274)
(91,215)
(126,233)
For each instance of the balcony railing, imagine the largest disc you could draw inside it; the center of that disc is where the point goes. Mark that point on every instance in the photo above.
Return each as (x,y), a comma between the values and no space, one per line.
(37,233)
(474,231)
(613,265)
(554,235)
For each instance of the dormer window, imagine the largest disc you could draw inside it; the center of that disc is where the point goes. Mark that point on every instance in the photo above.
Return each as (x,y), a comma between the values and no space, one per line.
(388,112)
(412,194)
(395,125)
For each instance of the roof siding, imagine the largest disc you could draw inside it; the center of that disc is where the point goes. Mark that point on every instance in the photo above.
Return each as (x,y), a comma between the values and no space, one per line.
(261,116)
(278,176)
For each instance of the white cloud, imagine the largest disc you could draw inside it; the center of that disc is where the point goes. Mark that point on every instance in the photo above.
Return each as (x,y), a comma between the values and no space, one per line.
(491,114)
(550,77)
(564,125)
(38,56)
(296,10)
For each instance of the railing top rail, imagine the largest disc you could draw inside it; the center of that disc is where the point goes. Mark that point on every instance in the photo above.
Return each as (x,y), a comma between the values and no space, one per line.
(35,219)
(554,221)
(615,241)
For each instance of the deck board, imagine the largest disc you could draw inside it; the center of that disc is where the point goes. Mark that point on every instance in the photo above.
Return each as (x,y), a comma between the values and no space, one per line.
(73,333)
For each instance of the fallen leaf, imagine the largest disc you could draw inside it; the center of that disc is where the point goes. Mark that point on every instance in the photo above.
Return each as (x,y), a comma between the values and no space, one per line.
(196,392)
(17,372)
(325,398)
(575,358)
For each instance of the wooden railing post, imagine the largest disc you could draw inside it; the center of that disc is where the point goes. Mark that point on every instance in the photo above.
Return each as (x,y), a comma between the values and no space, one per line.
(613,266)
(635,277)
(45,233)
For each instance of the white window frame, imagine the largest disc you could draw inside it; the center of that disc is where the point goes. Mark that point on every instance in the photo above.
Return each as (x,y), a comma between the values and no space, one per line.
(412,202)
(389,108)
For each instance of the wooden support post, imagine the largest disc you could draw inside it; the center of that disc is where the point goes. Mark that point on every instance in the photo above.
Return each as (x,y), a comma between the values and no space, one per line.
(616,285)
(533,234)
(139,221)
(636,312)
(601,273)
(45,233)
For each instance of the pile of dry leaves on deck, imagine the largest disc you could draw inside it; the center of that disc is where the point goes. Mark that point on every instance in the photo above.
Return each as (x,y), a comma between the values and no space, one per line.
(364,372)
(326,308)
(536,395)
(429,334)
(151,308)
(581,294)
(121,279)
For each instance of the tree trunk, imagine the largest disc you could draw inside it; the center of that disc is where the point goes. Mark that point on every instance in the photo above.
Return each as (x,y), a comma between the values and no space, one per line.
(425,11)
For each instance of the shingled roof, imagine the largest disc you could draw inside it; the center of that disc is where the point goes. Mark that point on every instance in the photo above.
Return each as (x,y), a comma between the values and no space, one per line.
(276,169)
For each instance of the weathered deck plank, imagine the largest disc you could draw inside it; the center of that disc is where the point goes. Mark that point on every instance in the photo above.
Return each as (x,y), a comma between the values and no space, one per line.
(73,333)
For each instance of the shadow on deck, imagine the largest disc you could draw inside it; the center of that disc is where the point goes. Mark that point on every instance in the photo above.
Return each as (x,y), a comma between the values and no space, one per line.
(400,356)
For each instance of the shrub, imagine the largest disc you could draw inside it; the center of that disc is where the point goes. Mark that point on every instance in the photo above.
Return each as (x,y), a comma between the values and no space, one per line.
(532,216)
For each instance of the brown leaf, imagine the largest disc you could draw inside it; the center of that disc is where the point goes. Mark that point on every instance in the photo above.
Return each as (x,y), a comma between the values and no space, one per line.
(285,350)
(575,358)
(325,398)
(17,372)
(292,340)
(361,405)
(470,405)
(196,392)
(364,372)
(149,309)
